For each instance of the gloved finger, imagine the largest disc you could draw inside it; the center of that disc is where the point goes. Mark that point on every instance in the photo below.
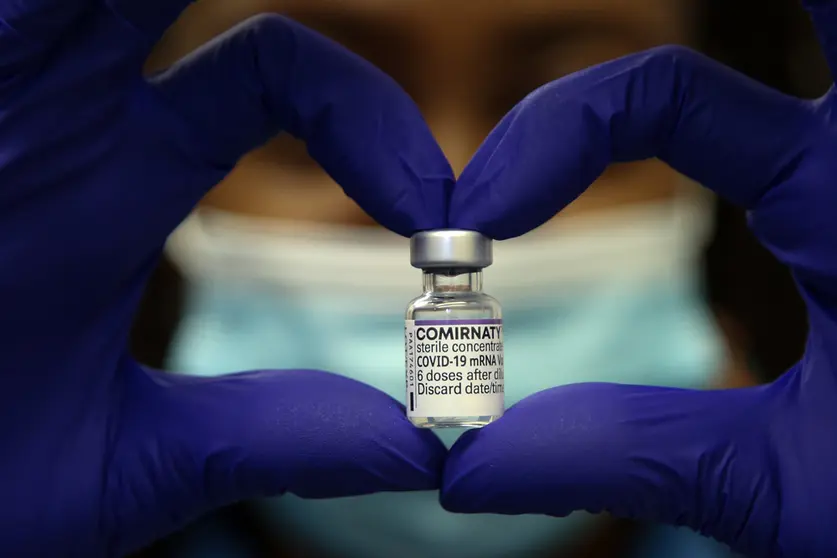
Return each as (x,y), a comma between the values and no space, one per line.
(727,132)
(664,455)
(271,74)
(824,16)
(188,445)
(30,28)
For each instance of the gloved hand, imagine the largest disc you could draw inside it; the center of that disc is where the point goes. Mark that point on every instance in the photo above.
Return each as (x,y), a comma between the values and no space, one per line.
(751,467)
(97,166)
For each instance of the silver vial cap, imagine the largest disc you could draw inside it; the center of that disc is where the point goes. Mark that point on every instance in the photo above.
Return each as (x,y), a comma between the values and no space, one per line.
(450,249)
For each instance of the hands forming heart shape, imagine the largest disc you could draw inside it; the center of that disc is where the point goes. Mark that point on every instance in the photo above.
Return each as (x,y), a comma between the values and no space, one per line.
(99,164)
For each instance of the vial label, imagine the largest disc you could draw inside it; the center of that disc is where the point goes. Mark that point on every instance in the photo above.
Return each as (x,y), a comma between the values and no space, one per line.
(454,368)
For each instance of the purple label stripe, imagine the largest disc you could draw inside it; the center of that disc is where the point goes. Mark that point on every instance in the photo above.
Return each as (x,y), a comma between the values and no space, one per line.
(487,321)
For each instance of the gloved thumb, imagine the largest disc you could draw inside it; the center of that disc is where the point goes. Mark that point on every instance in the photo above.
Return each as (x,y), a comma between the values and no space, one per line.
(682,457)
(188,445)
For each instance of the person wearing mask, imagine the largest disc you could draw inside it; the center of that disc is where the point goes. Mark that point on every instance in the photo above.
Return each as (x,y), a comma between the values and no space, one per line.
(102,455)
(281,266)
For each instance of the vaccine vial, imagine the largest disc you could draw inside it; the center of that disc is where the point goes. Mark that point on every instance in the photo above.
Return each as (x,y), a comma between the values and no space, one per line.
(453,334)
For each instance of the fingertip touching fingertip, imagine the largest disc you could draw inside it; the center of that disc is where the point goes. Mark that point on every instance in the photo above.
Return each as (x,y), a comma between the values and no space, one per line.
(453,495)
(398,175)
(526,170)
(427,460)
(416,209)
(470,208)
(426,201)
(498,221)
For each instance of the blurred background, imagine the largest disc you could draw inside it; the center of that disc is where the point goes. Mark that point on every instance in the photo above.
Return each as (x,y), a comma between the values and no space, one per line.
(667,285)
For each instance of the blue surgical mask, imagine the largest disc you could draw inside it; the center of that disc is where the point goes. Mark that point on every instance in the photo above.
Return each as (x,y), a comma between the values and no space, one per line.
(609,301)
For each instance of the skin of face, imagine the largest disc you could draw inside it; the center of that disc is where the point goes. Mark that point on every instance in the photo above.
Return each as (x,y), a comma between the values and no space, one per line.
(464,63)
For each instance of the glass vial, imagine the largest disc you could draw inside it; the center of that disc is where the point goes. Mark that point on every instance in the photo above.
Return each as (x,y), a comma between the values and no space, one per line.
(453,334)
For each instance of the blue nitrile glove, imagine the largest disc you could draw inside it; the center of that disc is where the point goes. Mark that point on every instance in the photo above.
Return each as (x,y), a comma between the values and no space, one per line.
(755,467)
(97,167)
